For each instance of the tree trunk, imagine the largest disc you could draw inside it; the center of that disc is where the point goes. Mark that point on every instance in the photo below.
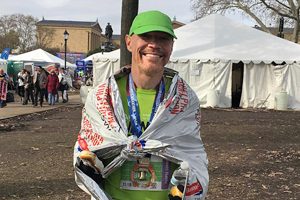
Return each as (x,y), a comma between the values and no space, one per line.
(296,27)
(129,11)
(296,32)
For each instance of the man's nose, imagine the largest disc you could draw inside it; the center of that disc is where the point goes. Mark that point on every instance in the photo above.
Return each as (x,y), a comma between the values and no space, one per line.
(151,38)
(153,41)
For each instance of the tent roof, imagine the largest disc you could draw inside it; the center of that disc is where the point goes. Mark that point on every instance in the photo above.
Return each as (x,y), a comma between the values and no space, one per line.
(216,37)
(3,65)
(219,38)
(2,61)
(113,56)
(39,55)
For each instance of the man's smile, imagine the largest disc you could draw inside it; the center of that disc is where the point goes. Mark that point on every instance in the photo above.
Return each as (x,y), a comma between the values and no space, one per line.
(152,54)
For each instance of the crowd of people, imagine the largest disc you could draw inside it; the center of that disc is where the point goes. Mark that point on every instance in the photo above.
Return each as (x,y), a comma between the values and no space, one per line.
(41,85)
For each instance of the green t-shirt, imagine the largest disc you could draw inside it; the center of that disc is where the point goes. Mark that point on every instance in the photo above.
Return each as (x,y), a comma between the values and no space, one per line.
(148,179)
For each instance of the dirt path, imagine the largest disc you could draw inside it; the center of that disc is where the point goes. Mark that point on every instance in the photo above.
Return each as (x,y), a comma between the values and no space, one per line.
(252,155)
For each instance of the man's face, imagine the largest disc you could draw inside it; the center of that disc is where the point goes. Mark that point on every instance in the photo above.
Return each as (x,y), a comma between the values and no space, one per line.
(150,51)
(38,70)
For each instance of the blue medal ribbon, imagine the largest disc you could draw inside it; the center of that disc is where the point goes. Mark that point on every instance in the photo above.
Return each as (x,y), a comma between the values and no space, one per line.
(133,105)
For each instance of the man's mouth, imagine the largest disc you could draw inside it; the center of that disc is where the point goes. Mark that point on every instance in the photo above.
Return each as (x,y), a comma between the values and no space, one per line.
(152,55)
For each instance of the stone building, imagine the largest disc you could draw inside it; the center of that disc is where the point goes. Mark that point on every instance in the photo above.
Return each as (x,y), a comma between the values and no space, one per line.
(176,24)
(83,36)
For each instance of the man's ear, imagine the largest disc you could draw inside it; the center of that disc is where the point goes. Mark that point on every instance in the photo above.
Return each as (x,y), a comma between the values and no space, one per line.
(128,42)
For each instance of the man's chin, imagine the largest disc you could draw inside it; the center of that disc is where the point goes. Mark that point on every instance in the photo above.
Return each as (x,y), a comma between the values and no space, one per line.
(153,61)
(153,69)
(149,64)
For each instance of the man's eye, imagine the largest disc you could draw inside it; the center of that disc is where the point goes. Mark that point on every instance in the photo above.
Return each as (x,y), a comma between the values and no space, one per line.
(144,36)
(165,38)
(147,37)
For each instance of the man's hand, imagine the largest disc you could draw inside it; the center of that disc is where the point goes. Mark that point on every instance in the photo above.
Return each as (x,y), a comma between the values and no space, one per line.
(176,192)
(90,159)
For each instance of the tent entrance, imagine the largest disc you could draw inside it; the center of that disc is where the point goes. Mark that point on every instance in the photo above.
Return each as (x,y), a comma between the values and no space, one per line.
(237,81)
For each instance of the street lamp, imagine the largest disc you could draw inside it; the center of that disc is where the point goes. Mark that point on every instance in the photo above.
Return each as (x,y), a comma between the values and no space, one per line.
(102,48)
(281,24)
(66,36)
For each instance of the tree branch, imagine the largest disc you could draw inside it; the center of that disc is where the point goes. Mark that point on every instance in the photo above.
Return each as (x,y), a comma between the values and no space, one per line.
(277,11)
(284,5)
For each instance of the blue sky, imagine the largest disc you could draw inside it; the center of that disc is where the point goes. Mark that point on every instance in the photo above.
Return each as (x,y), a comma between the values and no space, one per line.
(103,10)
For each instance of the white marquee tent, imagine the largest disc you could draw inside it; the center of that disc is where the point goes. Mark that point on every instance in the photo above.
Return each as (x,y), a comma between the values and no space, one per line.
(40,56)
(206,52)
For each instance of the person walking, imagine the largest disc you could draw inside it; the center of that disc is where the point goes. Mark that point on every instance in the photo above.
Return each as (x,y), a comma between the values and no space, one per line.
(63,85)
(3,87)
(21,89)
(40,80)
(141,124)
(28,87)
(52,87)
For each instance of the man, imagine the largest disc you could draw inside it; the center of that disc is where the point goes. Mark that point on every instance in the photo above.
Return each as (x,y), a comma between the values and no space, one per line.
(40,79)
(141,124)
(21,89)
(63,85)
(28,87)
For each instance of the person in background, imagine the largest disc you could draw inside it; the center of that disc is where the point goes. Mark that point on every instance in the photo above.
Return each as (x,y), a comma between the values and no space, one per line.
(141,124)
(3,87)
(57,95)
(28,86)
(21,89)
(40,80)
(63,85)
(46,92)
(52,87)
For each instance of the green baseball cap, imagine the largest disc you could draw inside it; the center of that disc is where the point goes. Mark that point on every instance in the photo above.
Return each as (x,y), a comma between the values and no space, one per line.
(151,21)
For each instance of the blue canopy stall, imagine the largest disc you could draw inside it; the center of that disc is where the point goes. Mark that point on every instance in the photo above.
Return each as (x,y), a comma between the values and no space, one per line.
(84,70)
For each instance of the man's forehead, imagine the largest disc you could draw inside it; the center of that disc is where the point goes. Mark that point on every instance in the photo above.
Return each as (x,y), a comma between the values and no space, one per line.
(156,34)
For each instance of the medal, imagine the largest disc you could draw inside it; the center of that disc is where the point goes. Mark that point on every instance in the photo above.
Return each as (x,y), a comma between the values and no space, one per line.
(133,105)
(143,174)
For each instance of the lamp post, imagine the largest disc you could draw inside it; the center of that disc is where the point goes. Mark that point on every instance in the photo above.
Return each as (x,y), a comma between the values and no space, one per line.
(102,48)
(281,24)
(66,36)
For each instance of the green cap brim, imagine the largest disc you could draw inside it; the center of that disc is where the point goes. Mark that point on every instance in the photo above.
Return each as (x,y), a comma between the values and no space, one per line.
(150,28)
(150,21)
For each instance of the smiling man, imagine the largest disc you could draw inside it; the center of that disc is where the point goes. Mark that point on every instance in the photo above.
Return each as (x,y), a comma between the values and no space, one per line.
(141,124)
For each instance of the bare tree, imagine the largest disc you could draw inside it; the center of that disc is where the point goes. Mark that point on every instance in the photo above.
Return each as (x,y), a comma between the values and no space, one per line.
(264,12)
(44,37)
(23,25)
(26,27)
(286,8)
(8,36)
(6,24)
(10,39)
(129,11)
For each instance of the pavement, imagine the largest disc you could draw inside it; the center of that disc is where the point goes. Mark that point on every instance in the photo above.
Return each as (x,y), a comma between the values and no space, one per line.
(16,108)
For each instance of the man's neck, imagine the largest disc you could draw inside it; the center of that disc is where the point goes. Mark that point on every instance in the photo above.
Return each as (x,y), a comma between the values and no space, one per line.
(146,82)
